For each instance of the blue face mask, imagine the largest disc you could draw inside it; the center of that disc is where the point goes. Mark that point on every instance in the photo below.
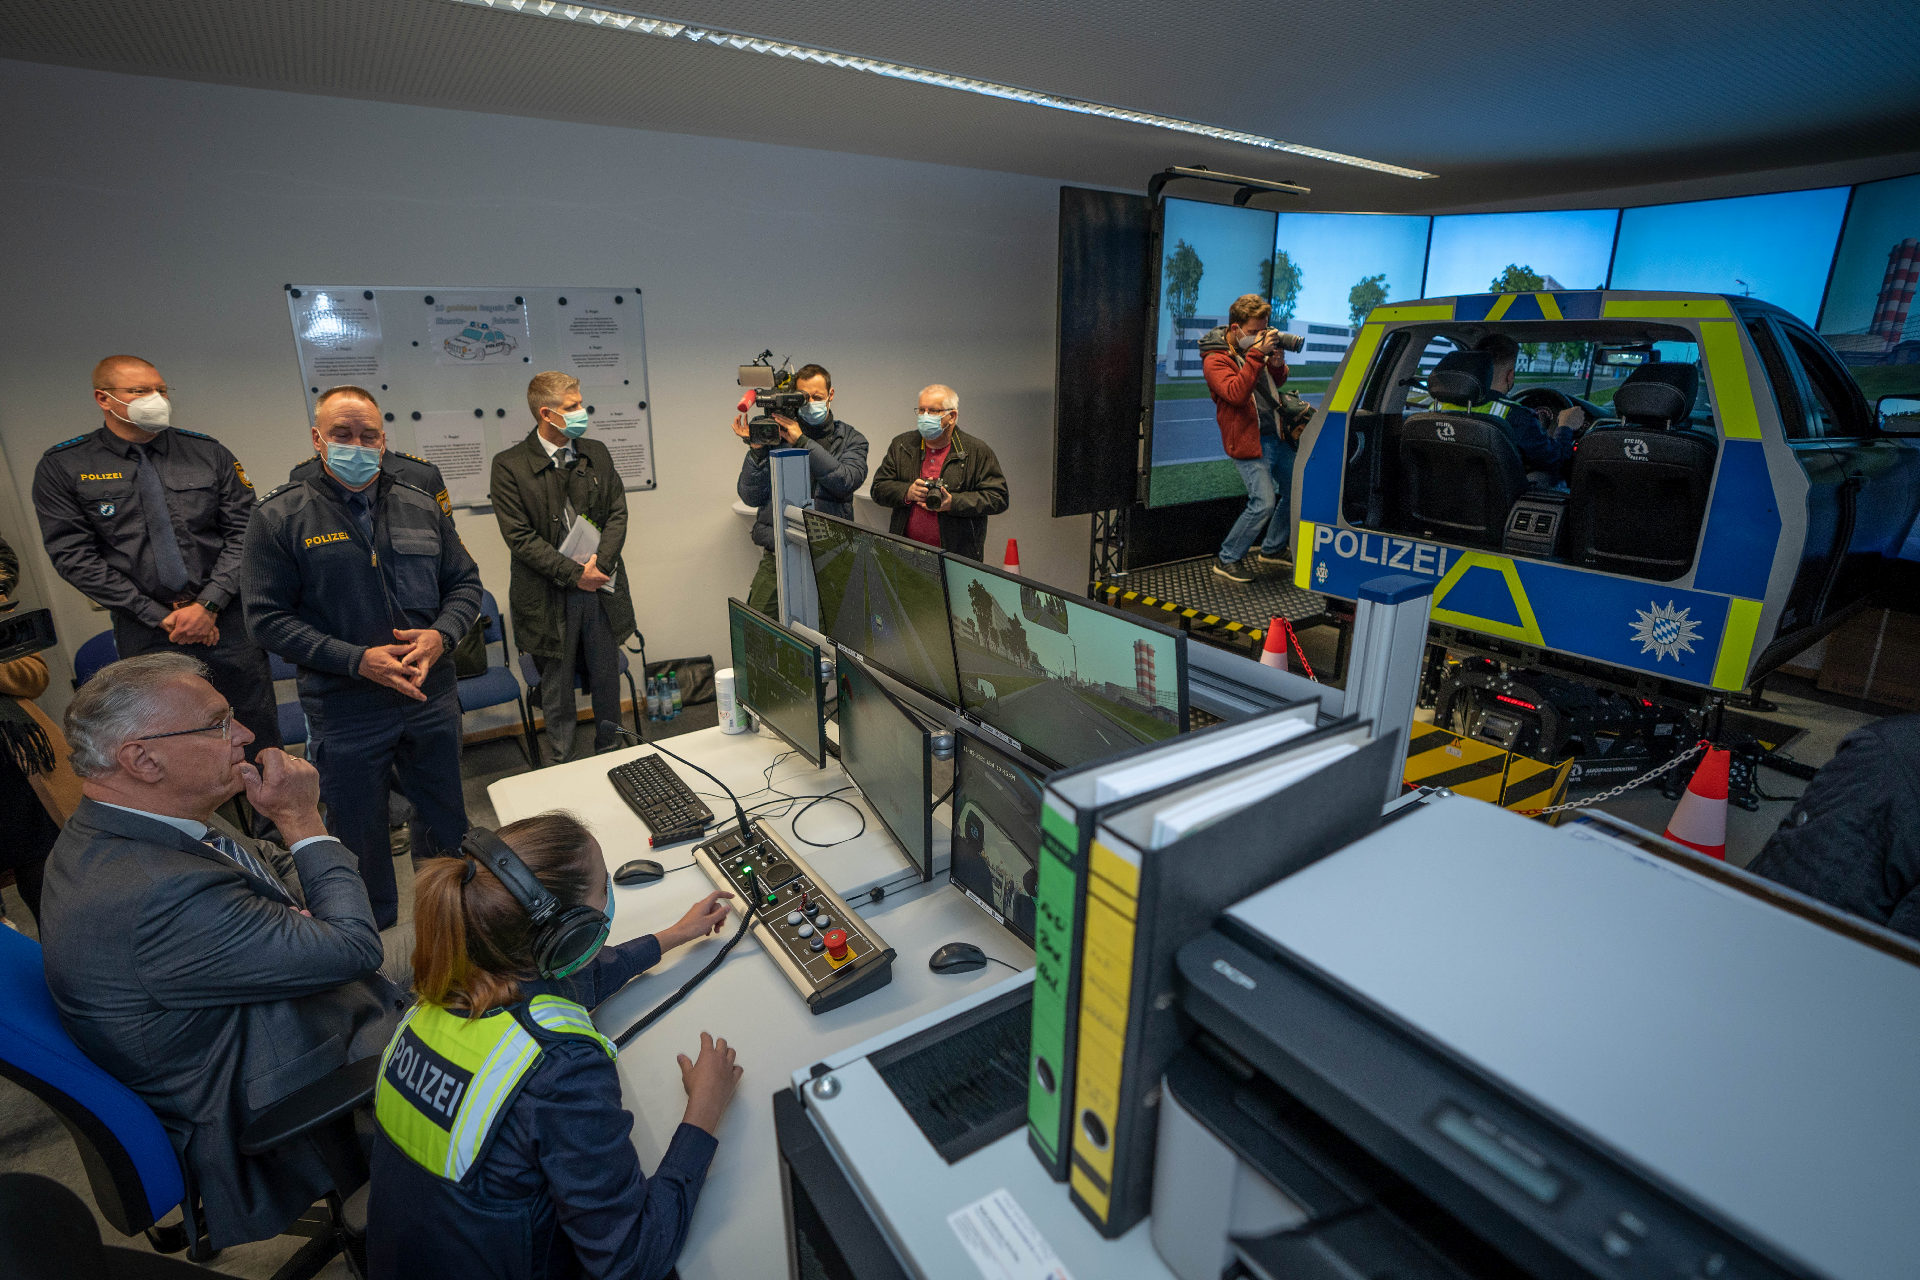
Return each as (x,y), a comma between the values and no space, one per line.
(813,412)
(576,424)
(352,464)
(930,425)
(609,901)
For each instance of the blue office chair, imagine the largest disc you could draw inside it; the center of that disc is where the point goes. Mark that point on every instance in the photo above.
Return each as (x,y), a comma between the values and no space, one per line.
(93,655)
(496,686)
(531,674)
(293,717)
(136,1177)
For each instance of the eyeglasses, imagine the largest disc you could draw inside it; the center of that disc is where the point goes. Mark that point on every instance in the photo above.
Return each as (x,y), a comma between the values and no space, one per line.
(938,413)
(223,726)
(134,393)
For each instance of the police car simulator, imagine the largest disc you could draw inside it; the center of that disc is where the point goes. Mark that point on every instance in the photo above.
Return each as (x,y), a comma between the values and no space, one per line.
(1731,497)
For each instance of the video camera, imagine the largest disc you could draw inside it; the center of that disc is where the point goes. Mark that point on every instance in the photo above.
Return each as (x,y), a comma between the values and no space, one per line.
(769,391)
(25,633)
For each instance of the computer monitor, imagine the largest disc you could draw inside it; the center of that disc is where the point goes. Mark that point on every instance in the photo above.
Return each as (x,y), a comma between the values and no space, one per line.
(889,755)
(886,599)
(776,675)
(1067,680)
(996,830)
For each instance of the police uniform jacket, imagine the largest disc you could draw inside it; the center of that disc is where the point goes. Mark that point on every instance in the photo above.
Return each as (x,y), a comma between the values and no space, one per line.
(515,1158)
(404,467)
(319,595)
(530,497)
(86,493)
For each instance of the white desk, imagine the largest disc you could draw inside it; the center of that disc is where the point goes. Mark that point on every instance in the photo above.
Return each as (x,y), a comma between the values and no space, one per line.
(738,1231)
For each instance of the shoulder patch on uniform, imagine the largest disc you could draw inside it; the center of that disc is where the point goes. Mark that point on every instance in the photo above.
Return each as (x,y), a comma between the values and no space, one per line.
(289,485)
(68,444)
(413,457)
(197,435)
(242,473)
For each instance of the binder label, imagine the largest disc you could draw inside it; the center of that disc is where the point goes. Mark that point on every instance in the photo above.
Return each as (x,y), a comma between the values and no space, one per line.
(1106,998)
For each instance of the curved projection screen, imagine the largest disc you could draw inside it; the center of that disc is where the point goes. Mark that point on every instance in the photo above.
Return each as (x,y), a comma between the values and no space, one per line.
(1776,247)
(1513,252)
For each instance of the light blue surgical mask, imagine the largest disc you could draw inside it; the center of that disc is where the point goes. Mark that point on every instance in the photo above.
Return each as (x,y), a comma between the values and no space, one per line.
(930,426)
(813,412)
(609,898)
(576,424)
(352,464)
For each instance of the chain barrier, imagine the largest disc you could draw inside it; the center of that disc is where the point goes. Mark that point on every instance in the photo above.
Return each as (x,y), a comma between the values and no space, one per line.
(1625,787)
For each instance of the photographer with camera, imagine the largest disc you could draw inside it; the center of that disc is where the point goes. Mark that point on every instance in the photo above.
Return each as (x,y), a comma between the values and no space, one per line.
(1244,373)
(941,482)
(836,459)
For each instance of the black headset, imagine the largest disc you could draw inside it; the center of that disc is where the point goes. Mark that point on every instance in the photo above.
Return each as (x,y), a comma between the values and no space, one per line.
(564,938)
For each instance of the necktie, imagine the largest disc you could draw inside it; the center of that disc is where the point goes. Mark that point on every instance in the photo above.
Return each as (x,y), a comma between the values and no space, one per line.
(238,853)
(360,505)
(167,561)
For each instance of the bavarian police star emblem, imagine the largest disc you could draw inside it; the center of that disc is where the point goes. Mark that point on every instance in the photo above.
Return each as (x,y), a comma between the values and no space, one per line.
(106,508)
(1665,632)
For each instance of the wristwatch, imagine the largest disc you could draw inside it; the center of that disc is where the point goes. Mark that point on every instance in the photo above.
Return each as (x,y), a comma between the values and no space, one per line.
(209,606)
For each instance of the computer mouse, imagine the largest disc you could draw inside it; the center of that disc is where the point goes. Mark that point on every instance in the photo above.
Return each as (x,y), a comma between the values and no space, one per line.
(639,871)
(957,957)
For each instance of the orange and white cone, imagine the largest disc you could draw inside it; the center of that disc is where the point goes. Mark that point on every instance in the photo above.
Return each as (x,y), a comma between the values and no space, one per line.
(1013,556)
(1700,820)
(1273,653)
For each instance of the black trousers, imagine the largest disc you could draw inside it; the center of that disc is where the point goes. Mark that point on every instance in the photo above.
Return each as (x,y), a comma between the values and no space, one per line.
(587,649)
(363,746)
(238,665)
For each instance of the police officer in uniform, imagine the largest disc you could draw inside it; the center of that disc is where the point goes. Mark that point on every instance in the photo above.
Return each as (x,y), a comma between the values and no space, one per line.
(360,581)
(503,1149)
(148,520)
(404,467)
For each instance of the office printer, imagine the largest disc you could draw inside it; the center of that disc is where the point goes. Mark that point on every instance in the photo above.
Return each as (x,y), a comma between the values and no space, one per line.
(1474,1045)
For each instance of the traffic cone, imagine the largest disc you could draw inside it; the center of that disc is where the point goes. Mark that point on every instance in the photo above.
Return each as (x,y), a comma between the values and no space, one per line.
(1013,556)
(1274,652)
(1700,819)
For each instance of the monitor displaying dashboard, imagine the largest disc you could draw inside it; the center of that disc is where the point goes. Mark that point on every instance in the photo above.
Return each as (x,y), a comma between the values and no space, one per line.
(885,598)
(889,755)
(1065,680)
(996,830)
(776,676)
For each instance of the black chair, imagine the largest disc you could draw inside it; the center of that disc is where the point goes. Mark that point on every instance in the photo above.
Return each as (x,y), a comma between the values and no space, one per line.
(1639,486)
(1459,471)
(496,686)
(47,1233)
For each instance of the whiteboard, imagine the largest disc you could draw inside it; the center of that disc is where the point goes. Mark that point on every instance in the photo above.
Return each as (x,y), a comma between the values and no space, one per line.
(449,366)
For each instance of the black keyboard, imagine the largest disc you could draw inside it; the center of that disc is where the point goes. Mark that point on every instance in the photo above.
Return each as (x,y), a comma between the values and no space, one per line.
(663,802)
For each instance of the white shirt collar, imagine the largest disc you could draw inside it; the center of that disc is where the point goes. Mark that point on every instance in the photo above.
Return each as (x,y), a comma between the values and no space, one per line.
(189,827)
(548,445)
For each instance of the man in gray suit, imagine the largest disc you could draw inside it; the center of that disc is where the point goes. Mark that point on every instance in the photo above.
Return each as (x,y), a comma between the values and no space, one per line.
(211,973)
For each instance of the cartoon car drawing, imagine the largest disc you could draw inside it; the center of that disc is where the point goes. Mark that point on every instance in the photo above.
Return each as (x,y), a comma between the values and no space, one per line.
(477,342)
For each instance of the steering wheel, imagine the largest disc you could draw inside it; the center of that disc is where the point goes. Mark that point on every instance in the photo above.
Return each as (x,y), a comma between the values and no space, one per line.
(1547,398)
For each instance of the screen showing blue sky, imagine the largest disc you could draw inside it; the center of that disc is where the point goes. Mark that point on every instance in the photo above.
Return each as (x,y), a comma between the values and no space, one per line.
(1883,215)
(1334,252)
(1230,244)
(1777,247)
(1471,250)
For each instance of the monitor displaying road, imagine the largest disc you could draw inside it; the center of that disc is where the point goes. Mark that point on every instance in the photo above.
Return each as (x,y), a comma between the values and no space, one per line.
(996,832)
(883,598)
(1067,681)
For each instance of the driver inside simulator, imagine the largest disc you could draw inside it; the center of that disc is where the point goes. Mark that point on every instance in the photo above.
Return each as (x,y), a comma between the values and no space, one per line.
(996,832)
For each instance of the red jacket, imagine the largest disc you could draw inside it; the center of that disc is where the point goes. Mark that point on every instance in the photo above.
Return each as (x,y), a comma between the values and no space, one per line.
(1231,382)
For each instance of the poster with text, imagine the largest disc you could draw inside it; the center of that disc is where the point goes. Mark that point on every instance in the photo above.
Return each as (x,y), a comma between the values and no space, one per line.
(626,430)
(477,329)
(593,341)
(337,333)
(456,442)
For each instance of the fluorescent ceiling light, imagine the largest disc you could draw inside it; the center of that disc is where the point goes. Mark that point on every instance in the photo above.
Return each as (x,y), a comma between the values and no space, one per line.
(666,29)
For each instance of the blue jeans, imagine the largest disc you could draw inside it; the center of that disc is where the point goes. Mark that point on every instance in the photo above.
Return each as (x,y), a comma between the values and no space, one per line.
(1269,482)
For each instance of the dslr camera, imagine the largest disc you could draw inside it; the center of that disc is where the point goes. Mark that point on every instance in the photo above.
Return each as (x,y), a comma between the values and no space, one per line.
(1289,341)
(769,391)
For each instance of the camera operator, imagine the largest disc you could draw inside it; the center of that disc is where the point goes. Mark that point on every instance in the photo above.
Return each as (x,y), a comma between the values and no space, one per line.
(1244,371)
(941,482)
(836,459)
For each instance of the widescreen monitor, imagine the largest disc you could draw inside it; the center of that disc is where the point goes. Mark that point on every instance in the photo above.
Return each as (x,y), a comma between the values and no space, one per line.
(1775,247)
(886,599)
(996,830)
(1066,680)
(1870,316)
(889,756)
(776,676)
(1556,250)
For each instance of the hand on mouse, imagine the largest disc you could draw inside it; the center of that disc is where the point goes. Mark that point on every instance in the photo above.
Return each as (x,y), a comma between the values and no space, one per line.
(702,918)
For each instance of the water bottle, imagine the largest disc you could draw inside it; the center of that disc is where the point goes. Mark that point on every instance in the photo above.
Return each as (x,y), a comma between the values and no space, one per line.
(675,682)
(653,699)
(666,696)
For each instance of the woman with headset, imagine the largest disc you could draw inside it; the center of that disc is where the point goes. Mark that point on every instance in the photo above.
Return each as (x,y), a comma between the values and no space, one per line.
(502,1147)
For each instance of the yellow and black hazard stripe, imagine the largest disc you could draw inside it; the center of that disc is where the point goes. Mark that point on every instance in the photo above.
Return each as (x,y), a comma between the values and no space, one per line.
(1532,785)
(1115,595)
(1440,758)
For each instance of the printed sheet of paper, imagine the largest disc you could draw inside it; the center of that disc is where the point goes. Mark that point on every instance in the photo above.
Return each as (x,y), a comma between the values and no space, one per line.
(593,341)
(1003,1242)
(472,328)
(337,332)
(627,431)
(456,442)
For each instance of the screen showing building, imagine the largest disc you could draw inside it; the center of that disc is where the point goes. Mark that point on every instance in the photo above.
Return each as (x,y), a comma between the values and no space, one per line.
(1872,316)
(884,598)
(1519,252)
(1775,247)
(777,676)
(885,751)
(996,831)
(1069,681)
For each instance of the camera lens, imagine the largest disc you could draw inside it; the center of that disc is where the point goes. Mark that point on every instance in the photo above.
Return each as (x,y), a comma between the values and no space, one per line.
(1292,341)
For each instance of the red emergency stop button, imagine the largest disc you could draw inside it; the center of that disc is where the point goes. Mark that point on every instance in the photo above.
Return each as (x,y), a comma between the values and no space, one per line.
(836,943)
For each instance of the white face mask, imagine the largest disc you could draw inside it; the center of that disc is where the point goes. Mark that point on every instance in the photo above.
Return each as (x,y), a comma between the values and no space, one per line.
(151,412)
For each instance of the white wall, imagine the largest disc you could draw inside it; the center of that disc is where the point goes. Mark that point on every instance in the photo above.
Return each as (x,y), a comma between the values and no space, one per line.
(162,217)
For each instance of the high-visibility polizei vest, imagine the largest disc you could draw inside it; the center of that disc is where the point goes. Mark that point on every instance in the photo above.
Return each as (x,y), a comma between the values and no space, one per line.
(447,1079)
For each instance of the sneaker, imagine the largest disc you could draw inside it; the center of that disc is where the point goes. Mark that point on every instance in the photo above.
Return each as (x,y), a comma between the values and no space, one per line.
(1231,572)
(1281,561)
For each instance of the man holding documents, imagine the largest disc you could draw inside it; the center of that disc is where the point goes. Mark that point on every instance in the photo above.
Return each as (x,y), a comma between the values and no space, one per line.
(359,580)
(563,512)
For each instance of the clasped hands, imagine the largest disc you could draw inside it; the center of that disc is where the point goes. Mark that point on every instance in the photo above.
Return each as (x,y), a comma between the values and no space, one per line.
(403,666)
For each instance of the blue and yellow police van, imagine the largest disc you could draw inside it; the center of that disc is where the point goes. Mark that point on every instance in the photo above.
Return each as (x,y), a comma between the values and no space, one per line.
(1730,497)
